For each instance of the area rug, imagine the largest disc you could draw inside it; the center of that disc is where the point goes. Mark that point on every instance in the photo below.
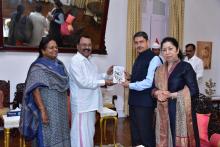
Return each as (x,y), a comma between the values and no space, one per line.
(110,145)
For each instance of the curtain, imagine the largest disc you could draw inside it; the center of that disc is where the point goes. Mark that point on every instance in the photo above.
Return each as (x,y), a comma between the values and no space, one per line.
(176,20)
(133,25)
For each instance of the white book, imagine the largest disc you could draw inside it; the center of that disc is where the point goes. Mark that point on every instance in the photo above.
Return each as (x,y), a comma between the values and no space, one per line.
(118,74)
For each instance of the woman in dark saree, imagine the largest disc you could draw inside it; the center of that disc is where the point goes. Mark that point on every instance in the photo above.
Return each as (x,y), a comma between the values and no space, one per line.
(44,118)
(176,92)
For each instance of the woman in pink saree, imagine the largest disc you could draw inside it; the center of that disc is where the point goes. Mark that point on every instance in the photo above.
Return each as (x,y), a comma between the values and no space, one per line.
(176,90)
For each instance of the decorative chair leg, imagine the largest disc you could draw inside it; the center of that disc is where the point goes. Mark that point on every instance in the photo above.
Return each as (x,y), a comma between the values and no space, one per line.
(105,121)
(114,131)
(21,141)
(24,144)
(6,136)
(101,121)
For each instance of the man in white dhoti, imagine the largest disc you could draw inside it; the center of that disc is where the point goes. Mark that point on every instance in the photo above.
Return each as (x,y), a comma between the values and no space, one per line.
(86,95)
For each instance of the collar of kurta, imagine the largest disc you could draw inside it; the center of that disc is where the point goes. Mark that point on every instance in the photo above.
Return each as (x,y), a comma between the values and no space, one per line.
(81,57)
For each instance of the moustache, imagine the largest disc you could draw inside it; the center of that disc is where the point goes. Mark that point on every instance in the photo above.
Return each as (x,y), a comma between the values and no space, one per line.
(139,47)
(87,49)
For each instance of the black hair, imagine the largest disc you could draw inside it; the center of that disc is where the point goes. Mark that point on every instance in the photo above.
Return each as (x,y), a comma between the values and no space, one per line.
(58,3)
(141,34)
(191,44)
(81,36)
(38,8)
(175,43)
(43,45)
(20,11)
(20,8)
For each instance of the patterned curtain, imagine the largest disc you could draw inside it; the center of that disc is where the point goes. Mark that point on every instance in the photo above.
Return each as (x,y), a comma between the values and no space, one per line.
(133,25)
(176,20)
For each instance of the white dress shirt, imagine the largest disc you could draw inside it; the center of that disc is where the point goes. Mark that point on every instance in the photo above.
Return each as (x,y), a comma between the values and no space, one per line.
(197,65)
(85,84)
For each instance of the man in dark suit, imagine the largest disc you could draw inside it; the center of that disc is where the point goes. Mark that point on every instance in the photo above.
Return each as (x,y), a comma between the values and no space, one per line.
(141,103)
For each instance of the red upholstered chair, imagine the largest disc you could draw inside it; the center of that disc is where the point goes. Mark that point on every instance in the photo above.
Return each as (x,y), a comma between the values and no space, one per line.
(208,120)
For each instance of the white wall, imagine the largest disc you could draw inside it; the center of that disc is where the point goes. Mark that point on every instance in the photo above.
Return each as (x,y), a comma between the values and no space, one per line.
(14,65)
(202,24)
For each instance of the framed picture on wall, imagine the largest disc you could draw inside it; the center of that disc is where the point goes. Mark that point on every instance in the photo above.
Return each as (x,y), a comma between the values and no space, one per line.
(204,51)
(88,18)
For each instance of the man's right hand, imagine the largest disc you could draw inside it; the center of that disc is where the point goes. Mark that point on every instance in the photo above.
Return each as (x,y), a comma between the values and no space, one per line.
(109,82)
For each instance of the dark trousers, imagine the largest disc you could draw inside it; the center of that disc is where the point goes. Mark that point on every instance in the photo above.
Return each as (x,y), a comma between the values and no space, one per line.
(141,124)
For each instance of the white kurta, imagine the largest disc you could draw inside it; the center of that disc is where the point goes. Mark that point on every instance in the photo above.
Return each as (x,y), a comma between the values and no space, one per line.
(40,26)
(86,97)
(197,65)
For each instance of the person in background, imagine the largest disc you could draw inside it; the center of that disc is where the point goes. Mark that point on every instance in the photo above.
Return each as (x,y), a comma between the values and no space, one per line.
(40,25)
(56,18)
(195,61)
(176,91)
(14,37)
(155,47)
(141,103)
(85,93)
(44,117)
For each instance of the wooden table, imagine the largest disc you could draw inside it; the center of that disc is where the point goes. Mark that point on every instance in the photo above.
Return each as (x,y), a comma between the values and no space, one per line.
(9,123)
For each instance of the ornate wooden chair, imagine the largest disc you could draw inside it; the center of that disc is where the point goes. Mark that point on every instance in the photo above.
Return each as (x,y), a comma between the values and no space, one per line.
(108,113)
(4,98)
(108,98)
(18,95)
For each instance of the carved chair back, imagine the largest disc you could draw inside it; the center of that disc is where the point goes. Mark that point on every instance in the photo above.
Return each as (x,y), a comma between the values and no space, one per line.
(5,88)
(18,95)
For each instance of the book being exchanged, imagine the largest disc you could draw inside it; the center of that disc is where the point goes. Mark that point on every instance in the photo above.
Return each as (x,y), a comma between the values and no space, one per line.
(118,74)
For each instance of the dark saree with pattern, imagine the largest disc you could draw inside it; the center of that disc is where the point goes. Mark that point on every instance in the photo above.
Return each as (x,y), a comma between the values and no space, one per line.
(51,78)
(183,135)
